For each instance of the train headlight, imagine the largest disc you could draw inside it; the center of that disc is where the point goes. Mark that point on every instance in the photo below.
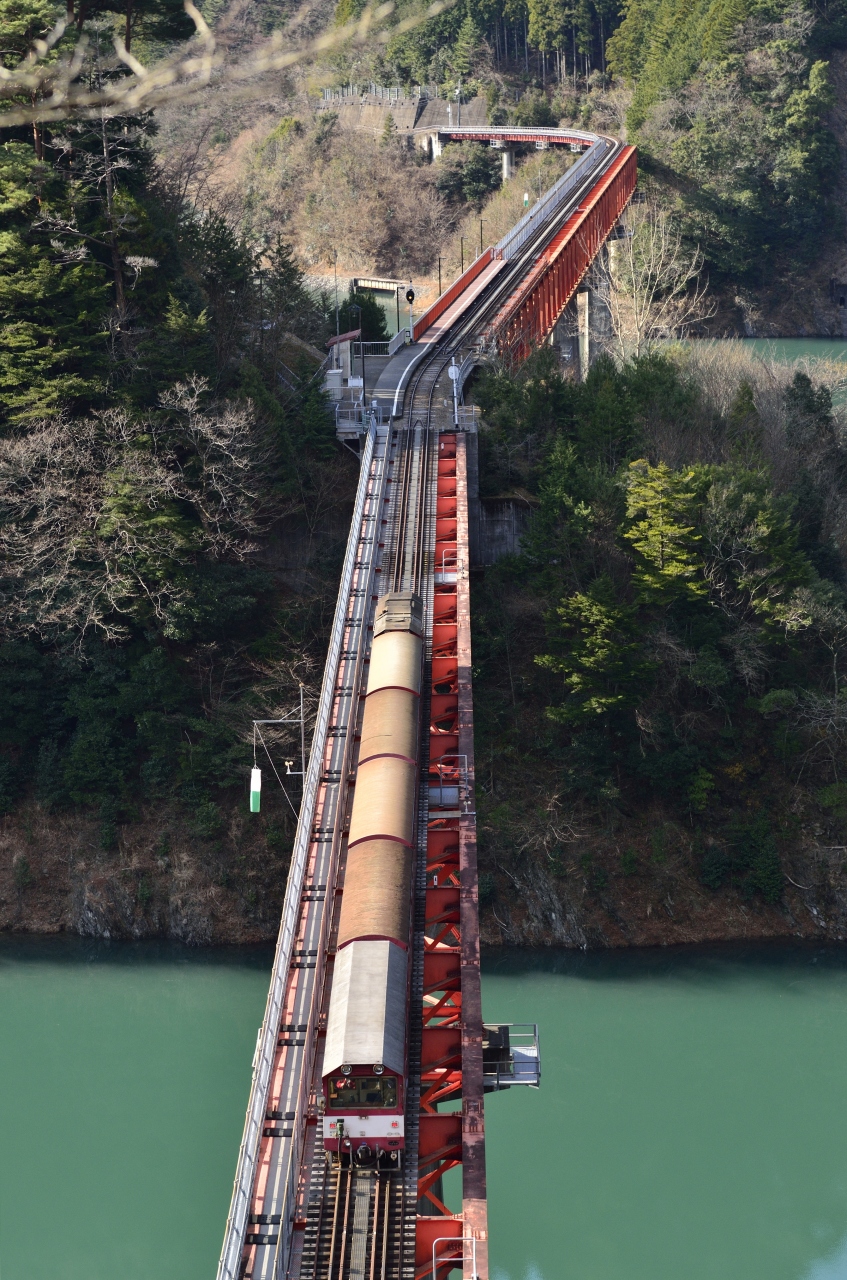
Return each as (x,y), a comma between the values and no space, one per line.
(346,1069)
(378,1068)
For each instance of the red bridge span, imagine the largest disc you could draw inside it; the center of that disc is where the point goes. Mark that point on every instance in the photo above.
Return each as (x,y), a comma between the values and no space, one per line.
(373,1060)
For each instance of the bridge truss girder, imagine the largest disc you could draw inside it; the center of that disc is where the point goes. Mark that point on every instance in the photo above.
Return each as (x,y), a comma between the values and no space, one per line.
(529,315)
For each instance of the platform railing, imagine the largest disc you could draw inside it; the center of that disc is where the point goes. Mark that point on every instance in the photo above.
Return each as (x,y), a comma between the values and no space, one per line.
(452,787)
(449,1258)
(515,239)
(523,1065)
(372,348)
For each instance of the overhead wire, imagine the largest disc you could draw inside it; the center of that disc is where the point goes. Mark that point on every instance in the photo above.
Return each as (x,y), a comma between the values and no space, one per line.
(257,730)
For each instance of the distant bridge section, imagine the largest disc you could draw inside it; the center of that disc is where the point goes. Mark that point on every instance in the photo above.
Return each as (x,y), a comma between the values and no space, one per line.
(549,250)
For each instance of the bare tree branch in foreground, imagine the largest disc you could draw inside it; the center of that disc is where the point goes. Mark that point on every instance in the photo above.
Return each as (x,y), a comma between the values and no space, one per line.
(183,74)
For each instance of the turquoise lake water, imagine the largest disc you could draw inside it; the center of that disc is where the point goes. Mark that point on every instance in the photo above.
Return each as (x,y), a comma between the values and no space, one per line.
(799,348)
(691,1123)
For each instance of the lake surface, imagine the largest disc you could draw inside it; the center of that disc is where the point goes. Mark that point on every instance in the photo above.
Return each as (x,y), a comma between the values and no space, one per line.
(789,349)
(692,1119)
(691,1125)
(124,1075)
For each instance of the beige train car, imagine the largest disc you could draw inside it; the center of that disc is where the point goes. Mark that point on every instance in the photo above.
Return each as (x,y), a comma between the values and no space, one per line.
(364,1059)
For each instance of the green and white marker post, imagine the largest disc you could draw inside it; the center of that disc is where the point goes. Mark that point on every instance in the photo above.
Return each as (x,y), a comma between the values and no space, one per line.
(255,790)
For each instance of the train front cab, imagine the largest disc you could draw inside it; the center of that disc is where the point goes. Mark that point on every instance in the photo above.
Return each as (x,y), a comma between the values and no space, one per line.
(363,1117)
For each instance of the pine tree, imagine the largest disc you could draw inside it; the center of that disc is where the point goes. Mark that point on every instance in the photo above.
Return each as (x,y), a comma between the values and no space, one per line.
(53,297)
(661,504)
(600,657)
(465,48)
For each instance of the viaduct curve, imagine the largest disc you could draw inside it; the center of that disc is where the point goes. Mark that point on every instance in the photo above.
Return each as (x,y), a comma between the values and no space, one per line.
(339,1173)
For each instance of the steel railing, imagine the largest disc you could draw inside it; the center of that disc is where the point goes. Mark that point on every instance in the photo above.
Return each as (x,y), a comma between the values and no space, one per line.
(515,239)
(523,1066)
(372,348)
(449,1258)
(263,1060)
(295,1155)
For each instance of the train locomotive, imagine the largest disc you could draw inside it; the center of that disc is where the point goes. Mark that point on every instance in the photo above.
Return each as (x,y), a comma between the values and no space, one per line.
(364,1068)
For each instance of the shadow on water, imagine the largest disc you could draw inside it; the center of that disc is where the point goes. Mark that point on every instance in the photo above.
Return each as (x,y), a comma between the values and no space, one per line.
(66,949)
(708,963)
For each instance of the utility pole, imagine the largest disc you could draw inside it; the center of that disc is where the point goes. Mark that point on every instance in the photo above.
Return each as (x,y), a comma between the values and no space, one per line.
(335,268)
(355,307)
(361,344)
(454,377)
(260,272)
(439,278)
(462,247)
(480,232)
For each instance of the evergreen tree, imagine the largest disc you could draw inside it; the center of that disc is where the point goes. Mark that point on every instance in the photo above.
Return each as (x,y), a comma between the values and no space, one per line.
(661,505)
(599,653)
(53,299)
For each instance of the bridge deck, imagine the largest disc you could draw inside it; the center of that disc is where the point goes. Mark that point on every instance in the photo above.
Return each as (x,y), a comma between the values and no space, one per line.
(292,1218)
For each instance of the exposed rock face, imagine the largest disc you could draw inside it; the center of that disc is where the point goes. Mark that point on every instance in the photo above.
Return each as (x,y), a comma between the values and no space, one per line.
(614,893)
(161,879)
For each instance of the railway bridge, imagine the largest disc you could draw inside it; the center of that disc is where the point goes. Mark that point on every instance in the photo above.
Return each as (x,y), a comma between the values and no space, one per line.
(342,1175)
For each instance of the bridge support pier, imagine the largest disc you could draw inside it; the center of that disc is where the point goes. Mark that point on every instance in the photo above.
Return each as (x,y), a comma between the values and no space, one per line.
(508,163)
(583,314)
(594,328)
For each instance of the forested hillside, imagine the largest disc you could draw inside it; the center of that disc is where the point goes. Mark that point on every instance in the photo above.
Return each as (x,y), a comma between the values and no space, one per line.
(162,434)
(660,700)
(737,110)
(663,661)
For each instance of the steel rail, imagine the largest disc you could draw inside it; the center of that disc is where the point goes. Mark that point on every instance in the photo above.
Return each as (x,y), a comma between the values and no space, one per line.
(411,526)
(360,611)
(603,149)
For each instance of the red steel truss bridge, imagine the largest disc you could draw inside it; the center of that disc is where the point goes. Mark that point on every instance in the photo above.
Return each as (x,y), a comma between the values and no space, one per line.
(294,1215)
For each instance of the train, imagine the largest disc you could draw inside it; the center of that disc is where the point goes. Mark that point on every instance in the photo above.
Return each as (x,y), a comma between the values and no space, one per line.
(364,1067)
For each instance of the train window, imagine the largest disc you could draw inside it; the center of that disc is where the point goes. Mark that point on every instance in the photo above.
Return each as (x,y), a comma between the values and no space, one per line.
(350,1092)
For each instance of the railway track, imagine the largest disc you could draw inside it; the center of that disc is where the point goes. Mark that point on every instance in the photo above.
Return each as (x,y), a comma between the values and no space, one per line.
(360,1223)
(355,1225)
(422,389)
(326,1221)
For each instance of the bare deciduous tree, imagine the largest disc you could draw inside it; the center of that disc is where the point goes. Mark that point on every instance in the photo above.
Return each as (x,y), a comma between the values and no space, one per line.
(653,281)
(95,520)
